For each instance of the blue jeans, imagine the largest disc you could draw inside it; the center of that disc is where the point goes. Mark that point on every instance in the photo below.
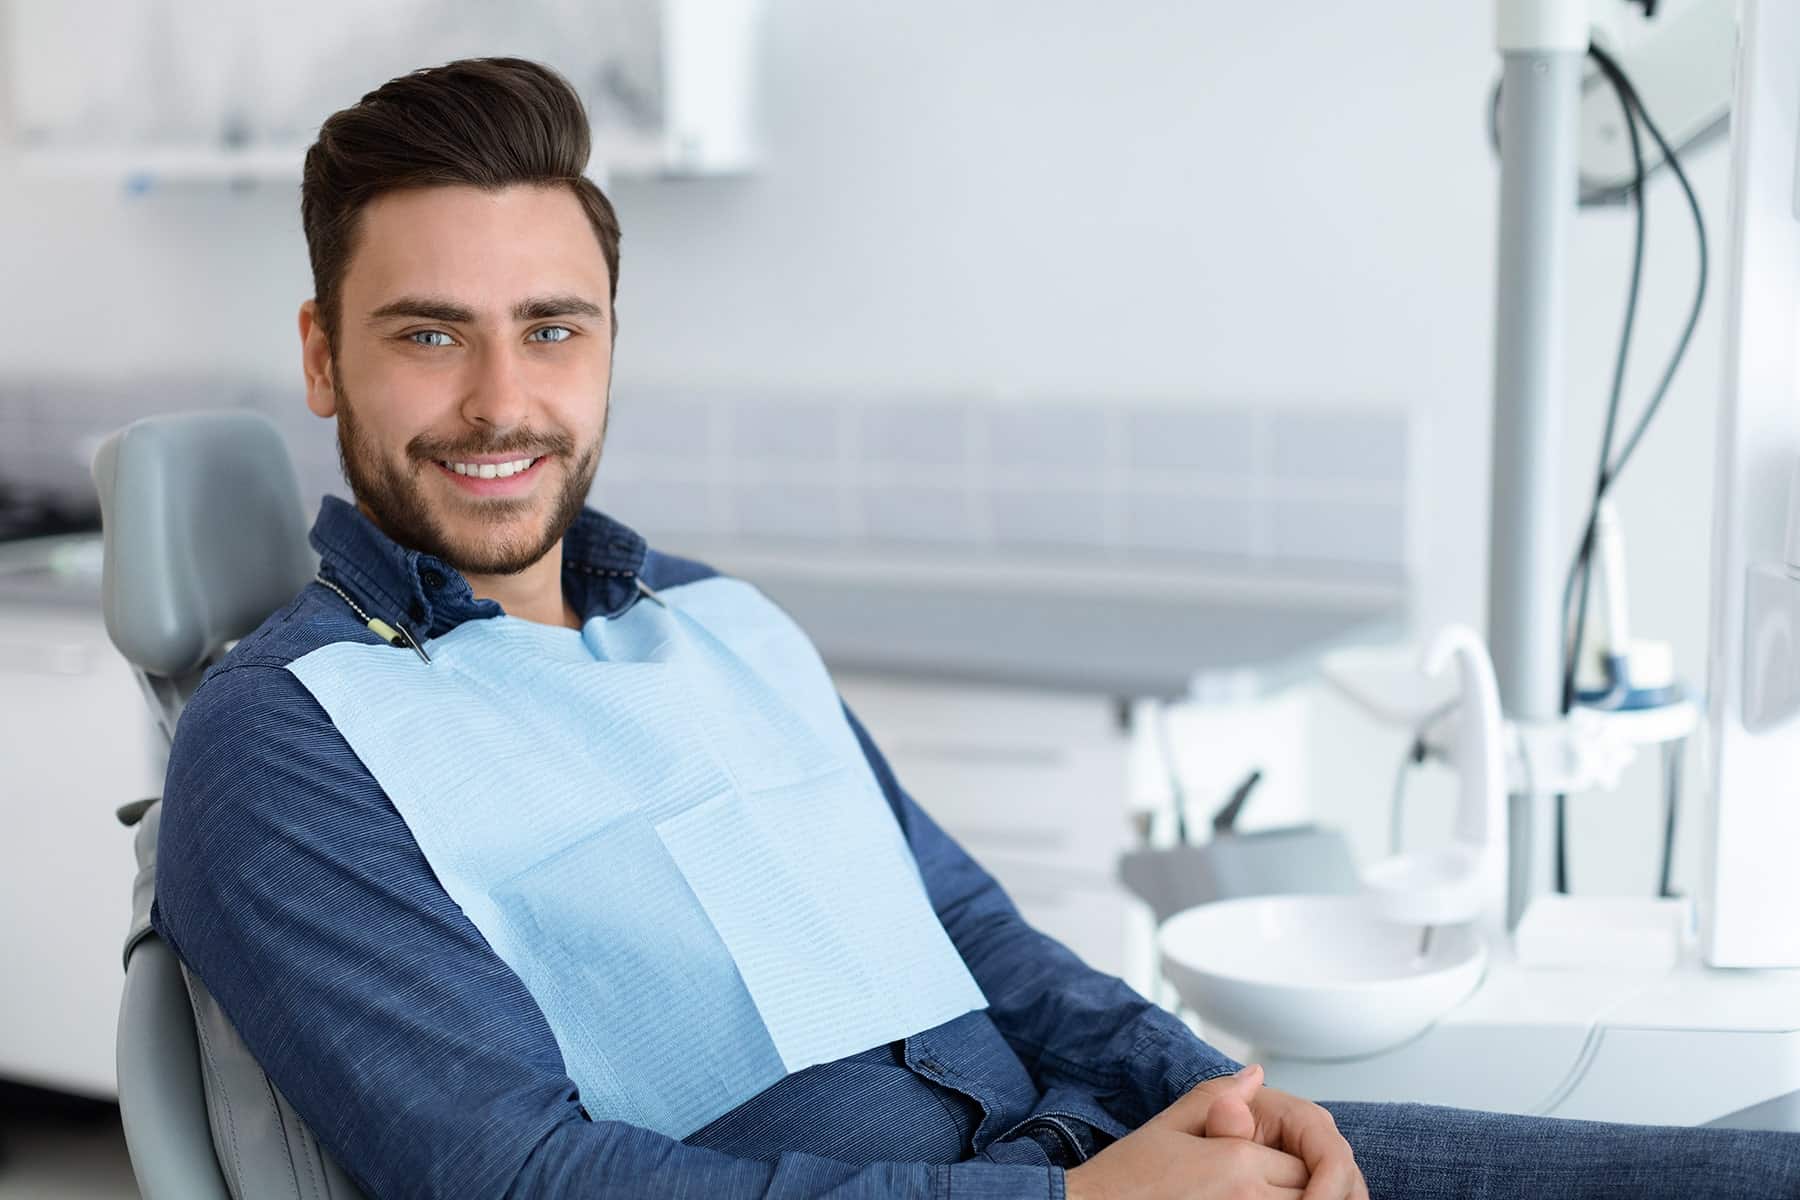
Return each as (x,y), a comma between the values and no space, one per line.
(1418,1150)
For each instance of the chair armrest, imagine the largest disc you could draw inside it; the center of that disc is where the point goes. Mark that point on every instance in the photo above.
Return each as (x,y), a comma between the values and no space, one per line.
(162,1099)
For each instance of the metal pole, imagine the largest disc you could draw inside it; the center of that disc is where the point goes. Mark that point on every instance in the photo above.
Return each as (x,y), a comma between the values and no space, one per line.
(1542,44)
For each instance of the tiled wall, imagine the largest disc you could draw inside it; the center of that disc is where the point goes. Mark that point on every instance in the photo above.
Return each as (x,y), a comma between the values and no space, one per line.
(1219,484)
(1249,483)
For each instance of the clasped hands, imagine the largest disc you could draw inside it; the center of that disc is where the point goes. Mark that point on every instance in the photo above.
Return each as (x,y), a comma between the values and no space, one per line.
(1226,1138)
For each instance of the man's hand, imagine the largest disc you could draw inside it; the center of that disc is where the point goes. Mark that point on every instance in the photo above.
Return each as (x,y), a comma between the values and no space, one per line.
(1288,1123)
(1199,1148)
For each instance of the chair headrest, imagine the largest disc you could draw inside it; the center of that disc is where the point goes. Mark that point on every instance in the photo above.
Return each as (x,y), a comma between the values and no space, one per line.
(203,534)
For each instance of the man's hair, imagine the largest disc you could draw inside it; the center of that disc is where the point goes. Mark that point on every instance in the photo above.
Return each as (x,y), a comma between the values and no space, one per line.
(481,122)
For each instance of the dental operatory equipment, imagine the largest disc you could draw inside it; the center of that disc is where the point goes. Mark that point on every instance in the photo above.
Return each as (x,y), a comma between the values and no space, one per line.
(1534,1001)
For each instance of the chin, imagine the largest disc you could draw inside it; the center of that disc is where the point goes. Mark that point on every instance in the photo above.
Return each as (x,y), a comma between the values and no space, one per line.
(504,551)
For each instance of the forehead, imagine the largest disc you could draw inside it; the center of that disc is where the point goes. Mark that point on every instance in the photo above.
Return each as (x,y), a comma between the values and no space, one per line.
(484,248)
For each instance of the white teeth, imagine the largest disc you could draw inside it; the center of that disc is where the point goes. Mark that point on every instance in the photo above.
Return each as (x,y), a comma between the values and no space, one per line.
(491,470)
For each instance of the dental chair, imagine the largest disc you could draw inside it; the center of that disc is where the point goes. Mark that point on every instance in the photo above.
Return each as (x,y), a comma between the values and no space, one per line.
(204,538)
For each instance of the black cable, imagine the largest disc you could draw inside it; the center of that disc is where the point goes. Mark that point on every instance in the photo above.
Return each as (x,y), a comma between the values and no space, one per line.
(1603,473)
(1415,754)
(1672,765)
(1611,470)
(1396,807)
(1494,118)
(1582,567)
(1702,270)
(1610,467)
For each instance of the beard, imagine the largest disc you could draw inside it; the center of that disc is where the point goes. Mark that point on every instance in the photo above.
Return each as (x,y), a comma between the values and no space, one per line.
(394,496)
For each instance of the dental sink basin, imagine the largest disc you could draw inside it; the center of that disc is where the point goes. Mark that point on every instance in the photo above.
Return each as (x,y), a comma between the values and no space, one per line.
(1318,977)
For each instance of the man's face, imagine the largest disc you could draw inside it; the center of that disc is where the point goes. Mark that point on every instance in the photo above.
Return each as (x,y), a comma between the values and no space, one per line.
(471,368)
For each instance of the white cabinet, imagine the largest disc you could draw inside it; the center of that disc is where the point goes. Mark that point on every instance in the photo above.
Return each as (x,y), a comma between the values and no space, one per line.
(1032,784)
(76,742)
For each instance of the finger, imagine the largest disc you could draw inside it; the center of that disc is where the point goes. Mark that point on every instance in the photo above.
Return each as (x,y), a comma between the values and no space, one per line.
(1247,1163)
(1301,1128)
(1308,1131)
(1336,1177)
(1230,1117)
(1281,1170)
(1335,1181)
(1188,1114)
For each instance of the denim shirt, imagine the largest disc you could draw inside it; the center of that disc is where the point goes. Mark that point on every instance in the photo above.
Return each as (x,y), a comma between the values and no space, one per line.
(289,883)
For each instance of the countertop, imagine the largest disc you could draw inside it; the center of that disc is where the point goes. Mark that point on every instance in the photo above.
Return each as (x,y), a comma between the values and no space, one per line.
(51,572)
(1119,632)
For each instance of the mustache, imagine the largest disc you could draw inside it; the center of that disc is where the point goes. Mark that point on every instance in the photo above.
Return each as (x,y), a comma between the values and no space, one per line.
(523,442)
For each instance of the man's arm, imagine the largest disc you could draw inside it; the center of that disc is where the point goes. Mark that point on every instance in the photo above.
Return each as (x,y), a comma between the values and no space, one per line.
(289,883)
(1069,1023)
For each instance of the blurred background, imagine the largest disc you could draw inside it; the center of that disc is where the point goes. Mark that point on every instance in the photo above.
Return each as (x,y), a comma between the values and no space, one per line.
(1048,361)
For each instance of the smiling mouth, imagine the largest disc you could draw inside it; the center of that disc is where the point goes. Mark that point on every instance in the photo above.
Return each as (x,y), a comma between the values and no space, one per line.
(490,470)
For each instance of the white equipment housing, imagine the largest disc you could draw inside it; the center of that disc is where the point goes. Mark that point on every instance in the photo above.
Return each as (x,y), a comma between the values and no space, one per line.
(1750,891)
(1603,1041)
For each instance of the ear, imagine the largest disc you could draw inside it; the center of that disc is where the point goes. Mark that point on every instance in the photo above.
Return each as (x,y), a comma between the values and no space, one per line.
(315,362)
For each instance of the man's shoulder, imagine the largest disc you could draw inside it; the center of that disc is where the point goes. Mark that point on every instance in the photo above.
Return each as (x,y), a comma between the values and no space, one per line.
(257,761)
(662,570)
(251,691)
(315,617)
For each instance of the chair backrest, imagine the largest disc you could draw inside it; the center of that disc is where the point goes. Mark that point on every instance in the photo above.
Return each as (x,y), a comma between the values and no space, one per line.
(204,538)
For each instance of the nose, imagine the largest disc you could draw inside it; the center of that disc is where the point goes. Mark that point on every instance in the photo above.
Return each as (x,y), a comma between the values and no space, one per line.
(496,395)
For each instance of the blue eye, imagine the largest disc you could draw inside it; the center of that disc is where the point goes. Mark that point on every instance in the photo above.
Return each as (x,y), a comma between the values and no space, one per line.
(562,334)
(419,337)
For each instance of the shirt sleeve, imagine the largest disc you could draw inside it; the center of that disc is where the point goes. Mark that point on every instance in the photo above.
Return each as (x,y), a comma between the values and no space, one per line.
(291,886)
(1071,1025)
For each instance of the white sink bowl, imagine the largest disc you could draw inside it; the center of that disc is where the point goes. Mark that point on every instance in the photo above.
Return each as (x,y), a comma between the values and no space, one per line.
(1317,977)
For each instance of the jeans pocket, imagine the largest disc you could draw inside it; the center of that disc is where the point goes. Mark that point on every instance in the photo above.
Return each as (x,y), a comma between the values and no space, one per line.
(968,1056)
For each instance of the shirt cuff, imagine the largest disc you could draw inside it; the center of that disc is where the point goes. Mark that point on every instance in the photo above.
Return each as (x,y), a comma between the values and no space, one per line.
(1173,1059)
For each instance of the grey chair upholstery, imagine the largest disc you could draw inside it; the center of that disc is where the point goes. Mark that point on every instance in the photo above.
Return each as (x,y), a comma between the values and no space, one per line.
(204,538)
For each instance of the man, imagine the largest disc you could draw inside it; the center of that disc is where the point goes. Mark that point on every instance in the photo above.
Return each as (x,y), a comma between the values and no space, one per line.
(531,862)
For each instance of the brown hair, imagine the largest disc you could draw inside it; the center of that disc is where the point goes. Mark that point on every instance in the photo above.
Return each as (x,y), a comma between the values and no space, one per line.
(484,122)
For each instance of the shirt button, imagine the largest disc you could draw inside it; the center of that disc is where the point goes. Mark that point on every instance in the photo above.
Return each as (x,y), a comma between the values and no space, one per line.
(433,580)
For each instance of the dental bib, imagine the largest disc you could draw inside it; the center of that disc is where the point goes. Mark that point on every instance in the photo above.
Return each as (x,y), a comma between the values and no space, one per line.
(664,824)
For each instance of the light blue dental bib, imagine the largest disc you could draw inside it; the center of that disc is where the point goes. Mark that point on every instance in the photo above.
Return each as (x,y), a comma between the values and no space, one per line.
(664,824)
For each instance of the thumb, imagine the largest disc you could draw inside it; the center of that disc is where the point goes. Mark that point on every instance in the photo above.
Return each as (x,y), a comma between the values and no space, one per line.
(1229,1116)
(1189,1114)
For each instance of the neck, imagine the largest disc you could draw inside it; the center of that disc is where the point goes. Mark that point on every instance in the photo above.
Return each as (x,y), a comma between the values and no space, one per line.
(534,594)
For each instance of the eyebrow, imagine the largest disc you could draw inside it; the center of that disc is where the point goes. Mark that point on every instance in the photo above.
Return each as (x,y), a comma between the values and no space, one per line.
(534,308)
(539,307)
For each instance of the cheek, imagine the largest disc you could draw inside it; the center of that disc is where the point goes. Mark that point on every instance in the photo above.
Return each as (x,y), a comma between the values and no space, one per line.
(404,399)
(576,398)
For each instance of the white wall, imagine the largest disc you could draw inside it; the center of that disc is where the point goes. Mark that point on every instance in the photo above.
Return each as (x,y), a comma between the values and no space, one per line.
(1037,198)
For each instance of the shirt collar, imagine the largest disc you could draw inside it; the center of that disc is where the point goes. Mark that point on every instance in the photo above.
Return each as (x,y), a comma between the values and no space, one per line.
(601,562)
